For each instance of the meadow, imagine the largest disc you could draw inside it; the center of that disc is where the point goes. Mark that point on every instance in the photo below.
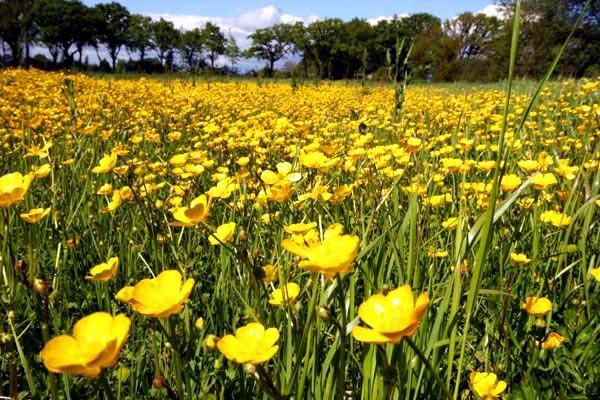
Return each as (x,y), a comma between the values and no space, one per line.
(195,239)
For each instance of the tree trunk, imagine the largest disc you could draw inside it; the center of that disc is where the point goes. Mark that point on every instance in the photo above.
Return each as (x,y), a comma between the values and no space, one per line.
(271,67)
(26,43)
(79,63)
(142,55)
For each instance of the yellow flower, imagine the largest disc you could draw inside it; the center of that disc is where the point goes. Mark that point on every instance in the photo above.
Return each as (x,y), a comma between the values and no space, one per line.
(317,160)
(271,273)
(34,215)
(519,258)
(114,203)
(553,341)
(556,219)
(285,295)
(106,164)
(595,272)
(334,254)
(391,317)
(193,215)
(95,344)
(413,144)
(299,228)
(42,171)
(543,181)
(252,344)
(13,188)
(528,165)
(242,161)
(486,385)
(283,175)
(537,306)
(223,234)
(158,297)
(450,224)
(509,183)
(223,189)
(105,271)
(105,190)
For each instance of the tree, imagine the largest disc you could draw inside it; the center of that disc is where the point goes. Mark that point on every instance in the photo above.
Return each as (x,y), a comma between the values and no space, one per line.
(16,28)
(271,44)
(232,51)
(114,30)
(323,41)
(545,25)
(191,45)
(164,39)
(214,42)
(140,36)
(473,33)
(64,24)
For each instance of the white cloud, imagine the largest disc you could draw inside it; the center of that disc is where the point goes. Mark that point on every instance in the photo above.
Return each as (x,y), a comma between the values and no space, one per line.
(376,20)
(239,26)
(492,10)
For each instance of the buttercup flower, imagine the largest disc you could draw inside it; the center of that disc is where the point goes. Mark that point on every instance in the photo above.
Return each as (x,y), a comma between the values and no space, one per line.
(223,234)
(105,271)
(252,344)
(13,188)
(553,341)
(509,183)
(42,171)
(285,295)
(115,203)
(94,345)
(271,273)
(106,164)
(450,224)
(34,215)
(193,215)
(543,181)
(333,255)
(557,219)
(391,317)
(537,306)
(595,272)
(283,175)
(159,297)
(486,385)
(519,258)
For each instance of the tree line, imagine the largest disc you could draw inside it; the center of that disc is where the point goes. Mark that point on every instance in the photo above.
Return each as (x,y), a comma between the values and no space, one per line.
(466,47)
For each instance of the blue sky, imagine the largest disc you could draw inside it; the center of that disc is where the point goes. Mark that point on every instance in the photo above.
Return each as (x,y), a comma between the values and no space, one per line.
(242,17)
(345,9)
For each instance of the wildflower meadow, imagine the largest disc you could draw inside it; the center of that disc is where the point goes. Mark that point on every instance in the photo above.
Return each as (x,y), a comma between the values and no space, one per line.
(247,238)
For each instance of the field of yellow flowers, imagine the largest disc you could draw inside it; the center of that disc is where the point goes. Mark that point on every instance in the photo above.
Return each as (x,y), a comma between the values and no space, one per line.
(195,240)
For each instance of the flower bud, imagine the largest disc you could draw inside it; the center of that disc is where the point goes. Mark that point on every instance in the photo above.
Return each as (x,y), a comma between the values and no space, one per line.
(42,287)
(243,235)
(540,323)
(209,344)
(20,266)
(159,382)
(323,313)
(199,324)
(250,369)
(385,289)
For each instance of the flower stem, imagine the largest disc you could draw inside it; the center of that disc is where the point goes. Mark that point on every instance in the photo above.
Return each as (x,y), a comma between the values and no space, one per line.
(428,365)
(342,332)
(266,379)
(108,394)
(177,360)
